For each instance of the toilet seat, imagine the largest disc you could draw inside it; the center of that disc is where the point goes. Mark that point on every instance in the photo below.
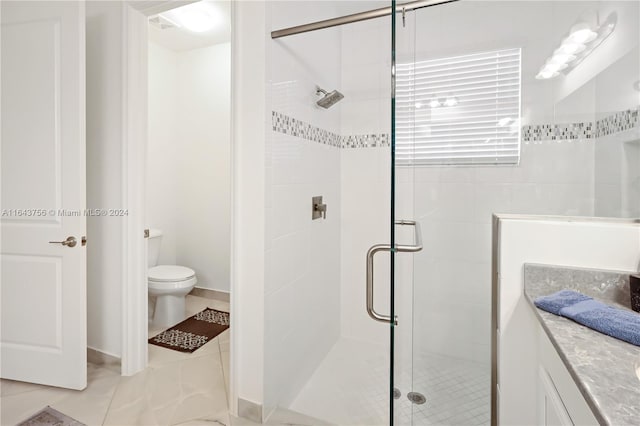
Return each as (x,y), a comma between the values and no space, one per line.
(170,273)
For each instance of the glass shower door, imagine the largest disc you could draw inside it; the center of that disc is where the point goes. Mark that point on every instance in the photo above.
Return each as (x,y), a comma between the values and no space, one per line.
(324,355)
(493,116)
(456,146)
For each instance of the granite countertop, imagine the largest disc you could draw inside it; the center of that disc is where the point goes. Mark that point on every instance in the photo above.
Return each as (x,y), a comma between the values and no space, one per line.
(603,368)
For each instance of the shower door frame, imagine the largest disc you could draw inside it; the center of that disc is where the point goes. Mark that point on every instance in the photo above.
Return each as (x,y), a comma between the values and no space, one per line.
(358,17)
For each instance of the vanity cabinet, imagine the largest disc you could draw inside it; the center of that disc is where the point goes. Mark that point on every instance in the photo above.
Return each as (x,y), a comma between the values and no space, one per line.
(560,402)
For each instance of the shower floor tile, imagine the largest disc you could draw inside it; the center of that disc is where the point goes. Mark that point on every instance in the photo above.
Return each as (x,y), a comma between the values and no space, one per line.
(350,388)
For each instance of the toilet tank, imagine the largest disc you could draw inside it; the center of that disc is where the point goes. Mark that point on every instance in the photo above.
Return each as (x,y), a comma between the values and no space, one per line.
(153,246)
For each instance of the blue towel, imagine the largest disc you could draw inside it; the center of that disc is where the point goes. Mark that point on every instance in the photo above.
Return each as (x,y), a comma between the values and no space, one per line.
(556,301)
(614,322)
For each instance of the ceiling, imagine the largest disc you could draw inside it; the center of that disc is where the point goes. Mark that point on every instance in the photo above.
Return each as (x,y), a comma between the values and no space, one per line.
(181,39)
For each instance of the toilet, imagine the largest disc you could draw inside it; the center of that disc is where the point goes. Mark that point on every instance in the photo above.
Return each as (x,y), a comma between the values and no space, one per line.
(168,284)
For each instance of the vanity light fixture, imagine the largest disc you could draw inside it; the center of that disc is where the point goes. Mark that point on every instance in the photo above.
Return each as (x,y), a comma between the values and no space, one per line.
(575,47)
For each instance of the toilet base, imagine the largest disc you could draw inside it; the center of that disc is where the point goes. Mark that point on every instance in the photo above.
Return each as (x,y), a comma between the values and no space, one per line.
(169,310)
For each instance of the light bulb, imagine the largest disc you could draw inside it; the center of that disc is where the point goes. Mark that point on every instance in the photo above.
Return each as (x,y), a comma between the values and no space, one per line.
(570,48)
(582,33)
(554,67)
(418,105)
(544,74)
(434,103)
(561,58)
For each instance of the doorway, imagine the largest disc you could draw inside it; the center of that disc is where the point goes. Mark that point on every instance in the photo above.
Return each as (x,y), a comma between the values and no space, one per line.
(188,173)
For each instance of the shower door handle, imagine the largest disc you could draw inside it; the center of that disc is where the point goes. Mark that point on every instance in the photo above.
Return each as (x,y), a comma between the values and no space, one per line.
(415,247)
(417,236)
(370,309)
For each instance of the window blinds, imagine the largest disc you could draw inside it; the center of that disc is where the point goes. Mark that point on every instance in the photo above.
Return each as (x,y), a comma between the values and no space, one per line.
(463,110)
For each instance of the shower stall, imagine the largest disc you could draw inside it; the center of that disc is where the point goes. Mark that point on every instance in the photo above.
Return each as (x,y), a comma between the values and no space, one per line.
(437,115)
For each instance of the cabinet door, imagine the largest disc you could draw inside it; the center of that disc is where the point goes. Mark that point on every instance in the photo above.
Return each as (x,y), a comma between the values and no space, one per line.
(552,410)
(555,378)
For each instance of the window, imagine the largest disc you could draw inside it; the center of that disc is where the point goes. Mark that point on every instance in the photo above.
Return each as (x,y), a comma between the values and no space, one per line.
(463,110)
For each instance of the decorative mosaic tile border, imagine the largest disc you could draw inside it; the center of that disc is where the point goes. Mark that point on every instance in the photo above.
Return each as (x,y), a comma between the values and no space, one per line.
(292,126)
(618,122)
(545,132)
(366,141)
(615,123)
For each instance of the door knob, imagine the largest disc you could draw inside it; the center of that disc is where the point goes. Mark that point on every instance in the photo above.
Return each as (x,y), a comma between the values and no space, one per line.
(69,242)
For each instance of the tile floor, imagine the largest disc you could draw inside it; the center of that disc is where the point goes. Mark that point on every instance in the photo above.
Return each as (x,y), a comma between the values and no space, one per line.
(176,388)
(192,389)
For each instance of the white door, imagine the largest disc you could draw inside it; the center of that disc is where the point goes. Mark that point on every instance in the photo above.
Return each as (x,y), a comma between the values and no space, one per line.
(43,289)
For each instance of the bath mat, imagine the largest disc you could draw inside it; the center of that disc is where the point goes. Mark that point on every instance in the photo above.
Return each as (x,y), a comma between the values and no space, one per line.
(193,332)
(48,416)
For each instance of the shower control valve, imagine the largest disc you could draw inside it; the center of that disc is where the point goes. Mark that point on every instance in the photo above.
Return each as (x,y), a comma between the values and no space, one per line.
(319,210)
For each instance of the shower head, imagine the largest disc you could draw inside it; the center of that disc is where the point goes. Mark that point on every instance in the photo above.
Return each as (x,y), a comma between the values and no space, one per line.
(329,99)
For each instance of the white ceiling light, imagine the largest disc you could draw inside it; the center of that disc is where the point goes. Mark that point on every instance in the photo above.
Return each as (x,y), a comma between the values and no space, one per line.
(197,17)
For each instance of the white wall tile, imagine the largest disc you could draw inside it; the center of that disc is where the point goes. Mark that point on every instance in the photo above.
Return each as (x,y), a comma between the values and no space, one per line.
(302,312)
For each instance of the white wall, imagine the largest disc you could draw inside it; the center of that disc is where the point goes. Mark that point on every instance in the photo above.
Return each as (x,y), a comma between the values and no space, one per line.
(104,174)
(203,200)
(163,149)
(189,159)
(250,131)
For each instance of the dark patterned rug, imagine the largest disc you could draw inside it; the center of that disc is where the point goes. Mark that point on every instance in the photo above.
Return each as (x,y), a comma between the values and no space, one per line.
(48,416)
(193,332)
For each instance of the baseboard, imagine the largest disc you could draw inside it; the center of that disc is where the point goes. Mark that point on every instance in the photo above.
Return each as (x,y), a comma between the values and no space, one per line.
(222,296)
(250,410)
(103,359)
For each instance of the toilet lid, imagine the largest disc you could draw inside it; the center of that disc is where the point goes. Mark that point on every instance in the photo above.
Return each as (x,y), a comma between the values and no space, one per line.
(170,273)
